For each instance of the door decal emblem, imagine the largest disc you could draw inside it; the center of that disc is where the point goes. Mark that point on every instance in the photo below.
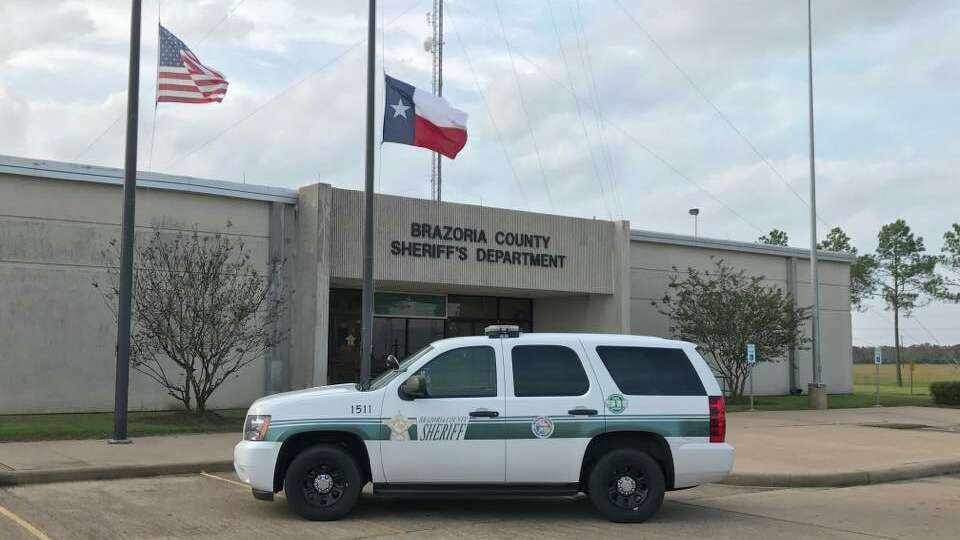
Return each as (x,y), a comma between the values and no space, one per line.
(442,428)
(400,427)
(542,427)
(616,403)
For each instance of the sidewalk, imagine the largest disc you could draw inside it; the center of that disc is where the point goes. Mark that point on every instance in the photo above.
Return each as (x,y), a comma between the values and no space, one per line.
(782,448)
(59,461)
(843,446)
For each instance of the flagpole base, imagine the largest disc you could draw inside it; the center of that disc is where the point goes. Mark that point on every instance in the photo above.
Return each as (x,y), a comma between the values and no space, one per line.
(817,393)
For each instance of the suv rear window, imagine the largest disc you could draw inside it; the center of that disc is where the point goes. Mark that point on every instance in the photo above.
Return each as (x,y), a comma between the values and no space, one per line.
(651,371)
(547,370)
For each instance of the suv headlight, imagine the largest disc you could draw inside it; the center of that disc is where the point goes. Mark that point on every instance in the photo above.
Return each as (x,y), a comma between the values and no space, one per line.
(255,427)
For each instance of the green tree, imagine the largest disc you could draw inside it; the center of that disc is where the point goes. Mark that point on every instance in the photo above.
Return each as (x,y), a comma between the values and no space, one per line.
(906,275)
(862,280)
(775,237)
(951,259)
(722,310)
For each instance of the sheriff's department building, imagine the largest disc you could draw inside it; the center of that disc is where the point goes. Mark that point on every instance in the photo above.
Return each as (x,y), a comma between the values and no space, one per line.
(441,269)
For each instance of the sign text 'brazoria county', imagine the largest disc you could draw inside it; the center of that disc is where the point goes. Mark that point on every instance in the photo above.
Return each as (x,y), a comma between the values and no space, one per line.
(513,247)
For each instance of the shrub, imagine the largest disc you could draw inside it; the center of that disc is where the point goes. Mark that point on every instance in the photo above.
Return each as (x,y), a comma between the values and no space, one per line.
(945,392)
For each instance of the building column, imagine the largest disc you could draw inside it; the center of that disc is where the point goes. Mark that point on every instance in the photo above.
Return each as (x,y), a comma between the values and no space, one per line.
(311,288)
(280,237)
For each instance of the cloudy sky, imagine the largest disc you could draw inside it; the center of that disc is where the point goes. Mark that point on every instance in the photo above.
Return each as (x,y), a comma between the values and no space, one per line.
(623,109)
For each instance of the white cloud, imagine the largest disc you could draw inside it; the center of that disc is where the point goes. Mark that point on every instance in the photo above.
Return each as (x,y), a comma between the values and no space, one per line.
(886,80)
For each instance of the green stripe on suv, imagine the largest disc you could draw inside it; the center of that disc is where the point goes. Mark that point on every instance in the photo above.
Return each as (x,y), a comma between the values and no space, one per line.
(513,428)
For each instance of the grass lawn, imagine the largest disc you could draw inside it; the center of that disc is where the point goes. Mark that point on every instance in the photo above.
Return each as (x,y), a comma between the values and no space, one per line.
(36,427)
(863,396)
(923,375)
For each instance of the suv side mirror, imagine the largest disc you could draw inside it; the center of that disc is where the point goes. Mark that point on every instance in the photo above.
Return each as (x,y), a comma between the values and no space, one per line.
(413,388)
(392,362)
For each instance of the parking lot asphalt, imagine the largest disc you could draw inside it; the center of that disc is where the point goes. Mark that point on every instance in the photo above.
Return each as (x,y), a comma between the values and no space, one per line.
(217,507)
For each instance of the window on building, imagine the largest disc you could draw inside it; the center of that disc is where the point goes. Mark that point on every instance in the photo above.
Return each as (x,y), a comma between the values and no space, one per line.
(651,371)
(547,370)
(462,373)
(469,315)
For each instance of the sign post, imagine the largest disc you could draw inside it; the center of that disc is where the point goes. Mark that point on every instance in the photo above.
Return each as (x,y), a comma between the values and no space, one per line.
(877,360)
(751,361)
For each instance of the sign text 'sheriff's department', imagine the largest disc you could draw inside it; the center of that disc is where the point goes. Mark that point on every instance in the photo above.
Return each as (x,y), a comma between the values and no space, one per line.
(501,247)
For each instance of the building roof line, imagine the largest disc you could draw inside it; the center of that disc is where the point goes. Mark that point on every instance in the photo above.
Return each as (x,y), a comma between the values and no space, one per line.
(733,245)
(60,170)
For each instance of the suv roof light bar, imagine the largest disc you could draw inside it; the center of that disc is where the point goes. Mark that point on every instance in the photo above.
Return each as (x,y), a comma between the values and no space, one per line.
(502,330)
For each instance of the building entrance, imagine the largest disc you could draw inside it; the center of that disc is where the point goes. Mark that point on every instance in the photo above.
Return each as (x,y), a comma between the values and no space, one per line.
(406,322)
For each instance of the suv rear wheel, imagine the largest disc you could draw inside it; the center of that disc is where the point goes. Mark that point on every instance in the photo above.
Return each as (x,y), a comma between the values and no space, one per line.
(626,485)
(323,483)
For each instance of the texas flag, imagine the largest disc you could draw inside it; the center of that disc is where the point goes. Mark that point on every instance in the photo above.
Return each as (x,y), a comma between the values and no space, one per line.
(420,118)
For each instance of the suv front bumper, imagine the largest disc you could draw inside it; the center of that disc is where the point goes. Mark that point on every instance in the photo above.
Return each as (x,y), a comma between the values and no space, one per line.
(255,463)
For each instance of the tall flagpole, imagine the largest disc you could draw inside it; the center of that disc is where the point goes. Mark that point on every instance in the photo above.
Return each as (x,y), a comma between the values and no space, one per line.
(121,388)
(366,329)
(817,390)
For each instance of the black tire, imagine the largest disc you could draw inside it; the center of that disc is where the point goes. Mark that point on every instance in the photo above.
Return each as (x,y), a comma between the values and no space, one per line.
(626,485)
(323,483)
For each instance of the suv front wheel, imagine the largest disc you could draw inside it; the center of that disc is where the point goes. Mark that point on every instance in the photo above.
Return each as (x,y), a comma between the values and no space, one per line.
(626,485)
(323,483)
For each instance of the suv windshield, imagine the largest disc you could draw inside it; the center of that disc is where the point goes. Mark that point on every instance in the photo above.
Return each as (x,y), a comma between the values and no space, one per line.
(389,375)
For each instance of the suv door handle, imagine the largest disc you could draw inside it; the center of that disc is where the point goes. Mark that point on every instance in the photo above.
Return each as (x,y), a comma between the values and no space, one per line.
(582,412)
(482,413)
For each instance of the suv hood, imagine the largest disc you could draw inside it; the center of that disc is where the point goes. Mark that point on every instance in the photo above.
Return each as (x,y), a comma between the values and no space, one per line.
(265,404)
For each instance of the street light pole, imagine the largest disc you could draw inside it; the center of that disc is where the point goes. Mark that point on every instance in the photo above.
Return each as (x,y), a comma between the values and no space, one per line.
(817,389)
(694,212)
(366,324)
(125,290)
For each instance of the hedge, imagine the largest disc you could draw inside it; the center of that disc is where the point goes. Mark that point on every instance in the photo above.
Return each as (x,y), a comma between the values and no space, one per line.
(945,392)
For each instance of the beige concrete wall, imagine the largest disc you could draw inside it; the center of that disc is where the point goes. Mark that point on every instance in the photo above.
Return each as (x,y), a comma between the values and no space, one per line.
(57,335)
(652,265)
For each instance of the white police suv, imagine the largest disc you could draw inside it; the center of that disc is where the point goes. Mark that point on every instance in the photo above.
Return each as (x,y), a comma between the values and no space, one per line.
(620,418)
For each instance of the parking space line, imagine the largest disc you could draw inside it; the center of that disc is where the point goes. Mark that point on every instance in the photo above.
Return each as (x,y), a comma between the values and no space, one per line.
(37,533)
(227,480)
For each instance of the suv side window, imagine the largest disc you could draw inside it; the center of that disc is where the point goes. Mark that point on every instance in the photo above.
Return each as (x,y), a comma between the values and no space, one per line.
(547,370)
(461,373)
(651,371)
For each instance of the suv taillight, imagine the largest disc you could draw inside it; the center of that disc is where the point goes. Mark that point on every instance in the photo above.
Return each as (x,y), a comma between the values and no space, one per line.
(718,419)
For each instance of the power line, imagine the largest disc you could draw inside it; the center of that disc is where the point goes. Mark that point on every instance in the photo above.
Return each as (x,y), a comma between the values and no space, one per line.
(486,105)
(98,137)
(716,109)
(283,92)
(638,142)
(523,105)
(584,50)
(221,21)
(576,102)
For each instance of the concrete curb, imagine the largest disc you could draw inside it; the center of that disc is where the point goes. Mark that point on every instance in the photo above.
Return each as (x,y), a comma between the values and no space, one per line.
(907,471)
(836,479)
(20,478)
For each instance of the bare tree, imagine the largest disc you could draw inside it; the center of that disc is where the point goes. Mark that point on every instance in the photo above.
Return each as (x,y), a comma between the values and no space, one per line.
(201,305)
(722,310)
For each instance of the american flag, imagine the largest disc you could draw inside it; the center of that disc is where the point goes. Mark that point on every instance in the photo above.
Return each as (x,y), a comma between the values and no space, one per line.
(182,78)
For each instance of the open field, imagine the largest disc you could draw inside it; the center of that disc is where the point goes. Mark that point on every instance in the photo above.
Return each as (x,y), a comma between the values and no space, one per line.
(923,375)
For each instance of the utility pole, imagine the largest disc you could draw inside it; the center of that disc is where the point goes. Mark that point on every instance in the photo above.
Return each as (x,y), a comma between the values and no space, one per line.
(817,389)
(435,19)
(124,312)
(366,330)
